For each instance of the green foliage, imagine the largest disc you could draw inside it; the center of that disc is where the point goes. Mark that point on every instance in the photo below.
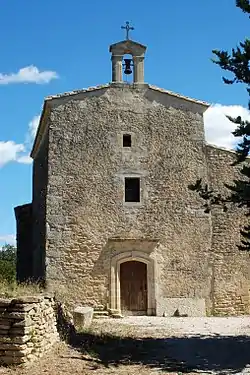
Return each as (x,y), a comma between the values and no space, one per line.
(8,263)
(237,63)
(243,5)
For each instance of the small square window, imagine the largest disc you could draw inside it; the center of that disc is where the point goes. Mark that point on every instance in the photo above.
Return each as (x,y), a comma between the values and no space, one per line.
(132,189)
(127,140)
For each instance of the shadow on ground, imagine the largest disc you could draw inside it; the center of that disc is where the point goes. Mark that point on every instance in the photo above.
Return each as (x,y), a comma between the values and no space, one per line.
(220,354)
(223,355)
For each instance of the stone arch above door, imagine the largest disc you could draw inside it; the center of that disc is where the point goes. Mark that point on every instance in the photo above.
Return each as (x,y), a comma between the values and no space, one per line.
(116,261)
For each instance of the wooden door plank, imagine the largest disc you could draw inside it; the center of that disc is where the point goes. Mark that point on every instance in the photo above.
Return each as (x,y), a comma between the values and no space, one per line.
(133,282)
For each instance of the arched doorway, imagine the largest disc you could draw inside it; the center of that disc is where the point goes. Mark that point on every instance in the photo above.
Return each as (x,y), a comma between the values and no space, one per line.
(134,288)
(115,278)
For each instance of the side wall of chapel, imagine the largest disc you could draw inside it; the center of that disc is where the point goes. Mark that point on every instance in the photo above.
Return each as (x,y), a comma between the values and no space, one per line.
(40,182)
(231,267)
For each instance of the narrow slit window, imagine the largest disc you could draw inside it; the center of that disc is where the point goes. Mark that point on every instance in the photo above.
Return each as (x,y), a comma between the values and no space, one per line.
(127,140)
(132,189)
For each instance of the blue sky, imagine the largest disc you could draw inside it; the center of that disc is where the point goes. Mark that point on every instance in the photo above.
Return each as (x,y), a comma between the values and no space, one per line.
(59,46)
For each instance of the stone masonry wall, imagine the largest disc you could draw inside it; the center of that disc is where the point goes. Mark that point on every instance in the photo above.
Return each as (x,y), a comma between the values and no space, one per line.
(231,267)
(27,328)
(24,220)
(86,211)
(83,223)
(40,180)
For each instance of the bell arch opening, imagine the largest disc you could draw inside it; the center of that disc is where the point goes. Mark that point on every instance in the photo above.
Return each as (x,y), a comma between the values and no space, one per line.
(128,68)
(127,49)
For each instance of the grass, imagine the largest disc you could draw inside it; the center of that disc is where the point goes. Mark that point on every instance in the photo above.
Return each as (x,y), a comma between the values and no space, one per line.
(14,289)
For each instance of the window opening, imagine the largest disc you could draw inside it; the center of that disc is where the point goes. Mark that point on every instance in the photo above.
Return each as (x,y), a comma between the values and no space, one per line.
(132,189)
(127,140)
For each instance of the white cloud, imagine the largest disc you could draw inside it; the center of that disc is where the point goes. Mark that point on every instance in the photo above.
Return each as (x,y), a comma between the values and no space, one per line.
(29,74)
(24,159)
(11,151)
(218,128)
(8,238)
(33,125)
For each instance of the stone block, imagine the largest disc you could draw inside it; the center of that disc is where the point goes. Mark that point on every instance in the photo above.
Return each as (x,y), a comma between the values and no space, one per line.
(12,360)
(23,323)
(181,307)
(4,302)
(27,299)
(18,339)
(10,346)
(13,315)
(83,316)
(4,326)
(4,331)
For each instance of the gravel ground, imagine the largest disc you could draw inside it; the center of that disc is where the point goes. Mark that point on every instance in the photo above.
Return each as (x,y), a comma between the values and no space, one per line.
(151,346)
(229,326)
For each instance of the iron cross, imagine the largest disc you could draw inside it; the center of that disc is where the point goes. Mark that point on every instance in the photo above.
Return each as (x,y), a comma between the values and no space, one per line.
(127,28)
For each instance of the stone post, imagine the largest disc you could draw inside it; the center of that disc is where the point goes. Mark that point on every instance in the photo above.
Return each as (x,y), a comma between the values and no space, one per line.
(116,68)
(138,69)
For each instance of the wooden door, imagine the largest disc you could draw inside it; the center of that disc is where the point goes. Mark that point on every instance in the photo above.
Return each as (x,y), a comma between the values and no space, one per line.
(133,281)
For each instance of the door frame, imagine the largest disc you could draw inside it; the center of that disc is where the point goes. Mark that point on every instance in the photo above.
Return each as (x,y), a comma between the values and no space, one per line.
(115,287)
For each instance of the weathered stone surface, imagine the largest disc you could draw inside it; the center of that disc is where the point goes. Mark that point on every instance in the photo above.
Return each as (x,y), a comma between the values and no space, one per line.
(12,360)
(23,338)
(27,299)
(11,346)
(15,339)
(22,307)
(83,316)
(19,331)
(23,323)
(182,307)
(4,302)
(13,315)
(82,227)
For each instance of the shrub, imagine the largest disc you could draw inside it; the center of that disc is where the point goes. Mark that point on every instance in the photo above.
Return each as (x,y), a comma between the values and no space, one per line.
(8,263)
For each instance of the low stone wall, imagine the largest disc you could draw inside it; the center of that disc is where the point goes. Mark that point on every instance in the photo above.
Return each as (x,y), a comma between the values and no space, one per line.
(27,328)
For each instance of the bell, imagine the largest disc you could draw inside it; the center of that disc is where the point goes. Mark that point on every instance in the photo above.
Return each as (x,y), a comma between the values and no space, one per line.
(127,63)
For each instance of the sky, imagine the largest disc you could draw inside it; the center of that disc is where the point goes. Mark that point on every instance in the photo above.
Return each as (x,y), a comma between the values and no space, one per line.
(54,46)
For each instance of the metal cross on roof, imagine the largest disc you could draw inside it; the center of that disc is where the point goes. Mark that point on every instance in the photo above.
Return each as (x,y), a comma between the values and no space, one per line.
(127,28)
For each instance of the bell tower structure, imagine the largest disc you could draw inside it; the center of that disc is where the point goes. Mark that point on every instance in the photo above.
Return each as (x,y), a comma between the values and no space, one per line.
(125,47)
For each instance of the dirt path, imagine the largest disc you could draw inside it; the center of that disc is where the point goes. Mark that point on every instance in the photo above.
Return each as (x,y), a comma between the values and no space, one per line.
(150,346)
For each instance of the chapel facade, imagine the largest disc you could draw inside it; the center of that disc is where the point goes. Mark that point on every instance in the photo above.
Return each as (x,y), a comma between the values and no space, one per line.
(112,220)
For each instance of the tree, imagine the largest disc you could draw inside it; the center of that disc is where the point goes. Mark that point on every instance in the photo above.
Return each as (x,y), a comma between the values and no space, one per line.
(8,263)
(237,62)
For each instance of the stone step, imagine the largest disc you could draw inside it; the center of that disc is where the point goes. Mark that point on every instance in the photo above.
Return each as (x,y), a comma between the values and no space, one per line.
(99,308)
(117,316)
(100,314)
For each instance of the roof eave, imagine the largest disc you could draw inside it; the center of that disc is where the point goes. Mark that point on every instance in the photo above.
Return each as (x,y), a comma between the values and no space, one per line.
(176,95)
(127,41)
(41,130)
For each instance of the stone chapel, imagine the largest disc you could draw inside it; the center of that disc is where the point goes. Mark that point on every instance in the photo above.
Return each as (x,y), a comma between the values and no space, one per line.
(112,220)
